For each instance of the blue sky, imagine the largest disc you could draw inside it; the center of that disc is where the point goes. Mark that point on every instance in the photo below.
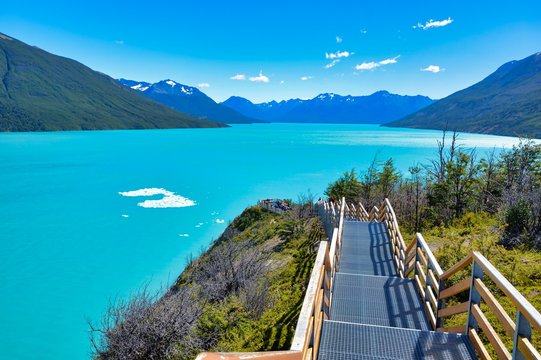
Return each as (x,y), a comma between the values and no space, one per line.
(285,49)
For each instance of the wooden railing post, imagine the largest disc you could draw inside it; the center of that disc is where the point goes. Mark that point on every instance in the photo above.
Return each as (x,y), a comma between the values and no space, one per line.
(523,329)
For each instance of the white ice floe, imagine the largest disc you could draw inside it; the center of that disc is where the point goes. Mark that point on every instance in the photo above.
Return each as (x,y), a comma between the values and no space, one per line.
(219,221)
(183,235)
(169,200)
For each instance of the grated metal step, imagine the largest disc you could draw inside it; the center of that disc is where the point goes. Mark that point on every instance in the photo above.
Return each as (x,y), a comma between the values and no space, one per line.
(346,341)
(366,249)
(377,300)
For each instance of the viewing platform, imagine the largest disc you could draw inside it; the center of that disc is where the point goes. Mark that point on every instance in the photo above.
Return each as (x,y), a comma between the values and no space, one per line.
(372,297)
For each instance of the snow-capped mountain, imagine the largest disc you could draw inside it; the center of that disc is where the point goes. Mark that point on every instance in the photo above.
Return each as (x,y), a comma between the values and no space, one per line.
(378,108)
(187,99)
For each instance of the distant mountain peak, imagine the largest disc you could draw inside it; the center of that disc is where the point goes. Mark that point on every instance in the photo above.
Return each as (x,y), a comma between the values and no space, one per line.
(187,99)
(333,108)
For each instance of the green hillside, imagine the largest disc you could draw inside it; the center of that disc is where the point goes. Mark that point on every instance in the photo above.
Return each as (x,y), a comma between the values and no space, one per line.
(507,102)
(40,91)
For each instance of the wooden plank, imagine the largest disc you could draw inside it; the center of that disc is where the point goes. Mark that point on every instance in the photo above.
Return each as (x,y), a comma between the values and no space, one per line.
(421,274)
(527,349)
(434,282)
(453,329)
(453,310)
(495,306)
(422,256)
(432,297)
(411,245)
(491,334)
(430,313)
(478,345)
(510,291)
(262,355)
(456,288)
(420,287)
(457,267)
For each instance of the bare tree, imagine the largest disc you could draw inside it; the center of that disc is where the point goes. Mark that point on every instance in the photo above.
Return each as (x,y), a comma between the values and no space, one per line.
(229,268)
(146,326)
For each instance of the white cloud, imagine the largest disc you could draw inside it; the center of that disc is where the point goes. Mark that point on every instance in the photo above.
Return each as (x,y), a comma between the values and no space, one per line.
(372,64)
(304,78)
(367,65)
(238,77)
(282,81)
(203,85)
(364,32)
(119,42)
(338,55)
(260,78)
(433,68)
(433,24)
(339,39)
(389,61)
(332,63)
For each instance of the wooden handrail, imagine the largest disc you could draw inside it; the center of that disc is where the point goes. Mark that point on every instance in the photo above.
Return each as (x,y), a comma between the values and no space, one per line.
(510,291)
(305,325)
(431,258)
(262,355)
(457,267)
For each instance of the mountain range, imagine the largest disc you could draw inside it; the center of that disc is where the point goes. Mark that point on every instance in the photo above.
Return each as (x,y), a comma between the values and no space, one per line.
(507,102)
(378,108)
(40,91)
(187,99)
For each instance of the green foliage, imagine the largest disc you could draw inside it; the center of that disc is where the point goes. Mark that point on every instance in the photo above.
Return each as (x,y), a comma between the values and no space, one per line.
(480,232)
(518,217)
(44,92)
(248,217)
(347,186)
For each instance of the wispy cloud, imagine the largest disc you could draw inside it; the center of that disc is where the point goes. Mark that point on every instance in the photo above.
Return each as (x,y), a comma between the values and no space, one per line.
(238,77)
(373,64)
(338,55)
(119,42)
(260,78)
(433,24)
(339,39)
(304,78)
(433,69)
(332,63)
(282,81)
(364,32)
(203,85)
(367,65)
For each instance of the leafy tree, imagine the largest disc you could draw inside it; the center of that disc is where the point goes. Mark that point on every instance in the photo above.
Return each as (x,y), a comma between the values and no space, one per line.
(347,186)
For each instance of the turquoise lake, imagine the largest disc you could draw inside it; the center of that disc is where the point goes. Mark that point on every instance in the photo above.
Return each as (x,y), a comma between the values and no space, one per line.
(70,243)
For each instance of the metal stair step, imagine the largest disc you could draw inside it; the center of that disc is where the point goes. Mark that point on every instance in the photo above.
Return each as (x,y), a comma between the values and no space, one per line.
(346,341)
(377,300)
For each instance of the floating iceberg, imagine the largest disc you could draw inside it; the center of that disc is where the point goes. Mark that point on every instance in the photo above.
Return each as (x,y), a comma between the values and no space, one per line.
(169,200)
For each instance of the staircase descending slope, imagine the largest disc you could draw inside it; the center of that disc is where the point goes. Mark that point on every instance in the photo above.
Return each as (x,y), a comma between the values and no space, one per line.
(371,296)
(374,313)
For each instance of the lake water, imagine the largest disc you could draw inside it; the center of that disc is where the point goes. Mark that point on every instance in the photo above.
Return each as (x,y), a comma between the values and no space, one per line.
(69,242)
